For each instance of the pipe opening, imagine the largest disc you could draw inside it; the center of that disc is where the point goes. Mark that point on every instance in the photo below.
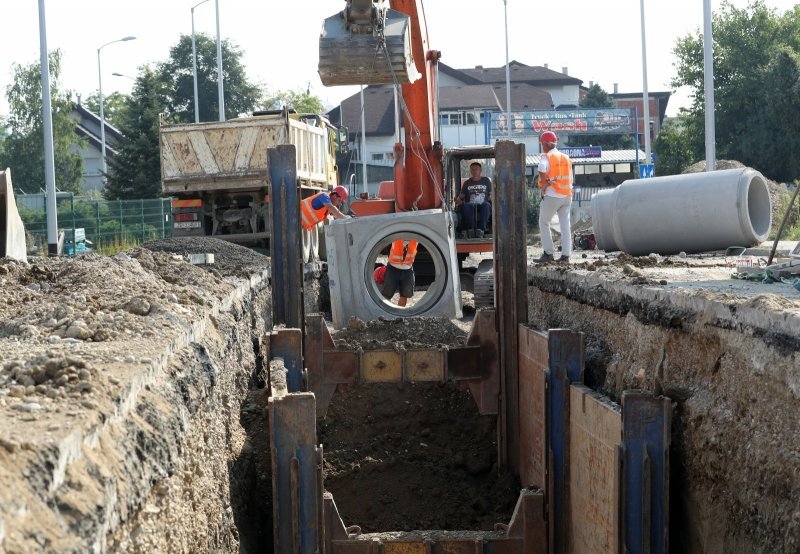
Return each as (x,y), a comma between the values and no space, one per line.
(758,207)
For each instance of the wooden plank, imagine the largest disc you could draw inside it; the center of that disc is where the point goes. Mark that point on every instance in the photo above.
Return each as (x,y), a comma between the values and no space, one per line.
(382,366)
(425,365)
(532,367)
(595,438)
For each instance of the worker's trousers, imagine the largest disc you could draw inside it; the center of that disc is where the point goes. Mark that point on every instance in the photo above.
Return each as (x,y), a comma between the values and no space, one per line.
(547,209)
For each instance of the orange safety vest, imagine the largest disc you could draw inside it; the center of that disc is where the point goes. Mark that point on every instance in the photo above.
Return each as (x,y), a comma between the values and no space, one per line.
(400,255)
(560,173)
(311,217)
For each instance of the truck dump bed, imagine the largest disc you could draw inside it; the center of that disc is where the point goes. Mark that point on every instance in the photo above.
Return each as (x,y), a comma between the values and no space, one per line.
(232,155)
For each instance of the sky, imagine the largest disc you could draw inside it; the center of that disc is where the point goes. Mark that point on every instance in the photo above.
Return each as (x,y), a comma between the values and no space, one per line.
(597,42)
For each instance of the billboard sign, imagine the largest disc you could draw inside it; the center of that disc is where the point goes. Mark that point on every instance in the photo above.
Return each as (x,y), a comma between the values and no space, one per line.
(601,121)
(582,151)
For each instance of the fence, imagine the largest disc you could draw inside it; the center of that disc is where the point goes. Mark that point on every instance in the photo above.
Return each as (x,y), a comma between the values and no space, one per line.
(106,223)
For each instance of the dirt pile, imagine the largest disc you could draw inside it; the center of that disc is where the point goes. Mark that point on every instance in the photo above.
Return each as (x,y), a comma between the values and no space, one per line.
(414,456)
(420,332)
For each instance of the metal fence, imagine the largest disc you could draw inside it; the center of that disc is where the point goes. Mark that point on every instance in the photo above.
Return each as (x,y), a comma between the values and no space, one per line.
(105,223)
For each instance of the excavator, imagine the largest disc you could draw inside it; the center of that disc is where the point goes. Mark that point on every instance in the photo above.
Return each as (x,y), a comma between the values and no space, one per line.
(380,42)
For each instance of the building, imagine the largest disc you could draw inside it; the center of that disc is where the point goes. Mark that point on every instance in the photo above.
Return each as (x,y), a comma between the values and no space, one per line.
(472,110)
(87,126)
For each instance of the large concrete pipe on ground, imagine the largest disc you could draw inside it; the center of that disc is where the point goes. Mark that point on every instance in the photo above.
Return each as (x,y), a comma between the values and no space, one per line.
(691,213)
(12,230)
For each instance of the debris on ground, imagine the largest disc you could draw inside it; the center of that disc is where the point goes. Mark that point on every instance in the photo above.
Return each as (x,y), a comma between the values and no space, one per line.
(382,333)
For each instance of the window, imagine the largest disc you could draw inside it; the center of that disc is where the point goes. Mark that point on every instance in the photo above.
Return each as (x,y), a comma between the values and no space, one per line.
(622,168)
(471,118)
(377,157)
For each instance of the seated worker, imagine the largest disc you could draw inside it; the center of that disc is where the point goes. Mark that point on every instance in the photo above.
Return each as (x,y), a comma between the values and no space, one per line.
(399,275)
(475,200)
(314,209)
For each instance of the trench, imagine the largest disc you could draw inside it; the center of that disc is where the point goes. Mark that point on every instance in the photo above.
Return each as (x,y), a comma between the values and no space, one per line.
(419,456)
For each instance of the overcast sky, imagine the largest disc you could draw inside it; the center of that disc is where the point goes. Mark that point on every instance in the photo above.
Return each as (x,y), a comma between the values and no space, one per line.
(596,41)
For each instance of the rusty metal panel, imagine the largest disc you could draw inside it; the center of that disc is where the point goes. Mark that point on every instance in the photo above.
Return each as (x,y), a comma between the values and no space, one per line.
(404,547)
(287,344)
(485,391)
(532,369)
(595,436)
(382,366)
(295,487)
(458,546)
(511,281)
(354,547)
(464,362)
(340,366)
(425,365)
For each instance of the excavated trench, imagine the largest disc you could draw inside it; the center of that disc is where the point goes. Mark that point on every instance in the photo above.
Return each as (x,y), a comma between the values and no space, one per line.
(176,456)
(731,371)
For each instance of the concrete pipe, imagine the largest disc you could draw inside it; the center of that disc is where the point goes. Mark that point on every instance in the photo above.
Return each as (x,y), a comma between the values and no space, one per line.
(696,212)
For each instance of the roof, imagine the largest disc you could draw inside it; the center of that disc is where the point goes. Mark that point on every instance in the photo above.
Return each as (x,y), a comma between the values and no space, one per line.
(607,156)
(493,97)
(520,73)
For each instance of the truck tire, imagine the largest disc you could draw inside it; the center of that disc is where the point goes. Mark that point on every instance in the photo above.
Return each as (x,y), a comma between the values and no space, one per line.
(306,245)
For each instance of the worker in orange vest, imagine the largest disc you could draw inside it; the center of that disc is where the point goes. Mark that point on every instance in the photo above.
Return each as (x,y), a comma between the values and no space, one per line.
(555,180)
(399,275)
(314,209)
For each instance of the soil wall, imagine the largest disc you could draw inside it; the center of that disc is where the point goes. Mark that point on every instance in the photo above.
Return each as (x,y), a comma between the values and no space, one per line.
(733,373)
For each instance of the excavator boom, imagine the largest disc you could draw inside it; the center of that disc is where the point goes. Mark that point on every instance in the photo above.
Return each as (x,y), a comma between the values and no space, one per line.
(366,44)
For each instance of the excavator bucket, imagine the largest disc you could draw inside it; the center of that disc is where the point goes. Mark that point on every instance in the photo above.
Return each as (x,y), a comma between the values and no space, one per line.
(376,53)
(12,230)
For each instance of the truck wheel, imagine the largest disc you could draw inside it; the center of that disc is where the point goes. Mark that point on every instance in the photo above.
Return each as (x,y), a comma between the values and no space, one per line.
(314,250)
(306,240)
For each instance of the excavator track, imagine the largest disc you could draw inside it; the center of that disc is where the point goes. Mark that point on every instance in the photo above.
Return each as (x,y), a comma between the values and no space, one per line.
(374,55)
(483,285)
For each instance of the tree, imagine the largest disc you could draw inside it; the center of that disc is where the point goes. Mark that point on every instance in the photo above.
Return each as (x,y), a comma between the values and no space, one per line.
(755,88)
(135,172)
(113,106)
(23,148)
(301,100)
(673,152)
(596,97)
(241,96)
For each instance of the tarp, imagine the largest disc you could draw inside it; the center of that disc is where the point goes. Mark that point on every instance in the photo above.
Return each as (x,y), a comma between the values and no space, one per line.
(12,230)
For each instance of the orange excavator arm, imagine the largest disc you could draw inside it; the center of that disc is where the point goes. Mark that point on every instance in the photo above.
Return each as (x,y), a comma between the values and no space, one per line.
(375,44)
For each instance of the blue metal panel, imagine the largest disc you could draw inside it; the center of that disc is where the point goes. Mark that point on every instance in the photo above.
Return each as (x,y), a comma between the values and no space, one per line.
(566,361)
(287,344)
(295,474)
(285,229)
(646,423)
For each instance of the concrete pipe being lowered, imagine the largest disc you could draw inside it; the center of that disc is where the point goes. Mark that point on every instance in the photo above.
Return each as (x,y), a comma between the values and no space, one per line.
(692,213)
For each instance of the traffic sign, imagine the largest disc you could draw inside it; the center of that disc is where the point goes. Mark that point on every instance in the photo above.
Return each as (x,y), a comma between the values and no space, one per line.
(647,170)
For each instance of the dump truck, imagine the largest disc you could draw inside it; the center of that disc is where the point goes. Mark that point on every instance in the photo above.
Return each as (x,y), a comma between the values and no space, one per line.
(217,173)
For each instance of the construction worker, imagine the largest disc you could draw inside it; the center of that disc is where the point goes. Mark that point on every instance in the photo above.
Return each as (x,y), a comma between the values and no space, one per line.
(399,275)
(555,180)
(475,200)
(314,209)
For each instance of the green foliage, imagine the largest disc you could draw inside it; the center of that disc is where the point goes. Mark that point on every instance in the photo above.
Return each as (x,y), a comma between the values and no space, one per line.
(135,172)
(532,209)
(23,148)
(114,106)
(596,97)
(301,100)
(672,148)
(176,76)
(756,86)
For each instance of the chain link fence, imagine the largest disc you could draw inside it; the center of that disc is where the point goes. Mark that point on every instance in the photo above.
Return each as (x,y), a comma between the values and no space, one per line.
(86,224)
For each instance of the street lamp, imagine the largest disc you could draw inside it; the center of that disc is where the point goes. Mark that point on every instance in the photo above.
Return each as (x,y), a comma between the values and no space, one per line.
(194,67)
(219,70)
(645,92)
(508,76)
(102,117)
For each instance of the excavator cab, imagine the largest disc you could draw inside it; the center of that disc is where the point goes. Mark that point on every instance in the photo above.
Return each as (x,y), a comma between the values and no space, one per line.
(367,43)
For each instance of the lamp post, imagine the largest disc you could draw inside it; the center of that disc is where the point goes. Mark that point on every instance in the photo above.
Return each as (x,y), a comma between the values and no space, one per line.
(645,92)
(219,70)
(194,67)
(102,116)
(115,74)
(708,87)
(508,76)
(49,158)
